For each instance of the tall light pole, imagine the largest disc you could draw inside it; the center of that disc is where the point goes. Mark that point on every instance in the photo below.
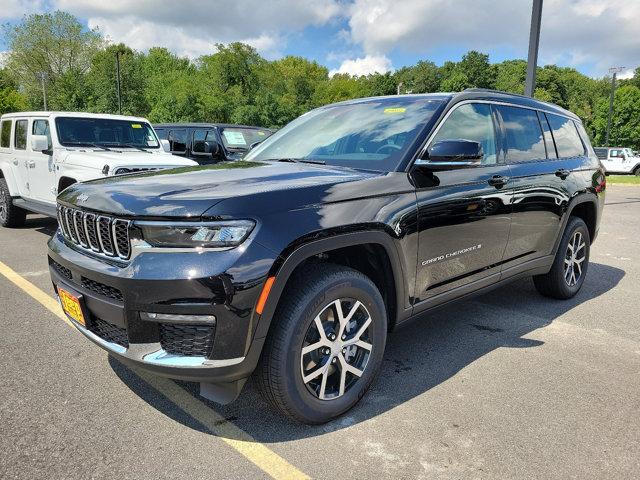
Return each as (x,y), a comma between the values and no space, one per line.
(613,70)
(399,87)
(42,76)
(118,82)
(534,43)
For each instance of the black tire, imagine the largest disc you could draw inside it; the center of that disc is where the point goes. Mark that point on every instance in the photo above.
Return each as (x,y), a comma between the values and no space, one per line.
(636,172)
(310,293)
(10,215)
(555,283)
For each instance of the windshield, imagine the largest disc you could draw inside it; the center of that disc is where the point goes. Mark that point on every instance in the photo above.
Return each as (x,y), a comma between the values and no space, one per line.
(235,138)
(103,132)
(373,134)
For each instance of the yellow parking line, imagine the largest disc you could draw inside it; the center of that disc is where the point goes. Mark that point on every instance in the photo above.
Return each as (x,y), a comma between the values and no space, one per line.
(45,300)
(267,460)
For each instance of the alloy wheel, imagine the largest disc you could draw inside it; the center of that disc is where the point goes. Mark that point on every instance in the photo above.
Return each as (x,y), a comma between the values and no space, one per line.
(336,349)
(574,257)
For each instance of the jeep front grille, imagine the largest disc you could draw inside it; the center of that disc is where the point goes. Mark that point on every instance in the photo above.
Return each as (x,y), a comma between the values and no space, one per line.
(95,233)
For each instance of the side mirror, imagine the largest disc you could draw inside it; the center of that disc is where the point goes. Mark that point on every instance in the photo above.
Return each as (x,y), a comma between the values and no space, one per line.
(40,143)
(255,144)
(166,146)
(451,155)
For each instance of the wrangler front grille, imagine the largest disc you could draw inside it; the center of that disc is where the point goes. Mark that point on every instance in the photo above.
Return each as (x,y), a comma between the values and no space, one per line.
(101,234)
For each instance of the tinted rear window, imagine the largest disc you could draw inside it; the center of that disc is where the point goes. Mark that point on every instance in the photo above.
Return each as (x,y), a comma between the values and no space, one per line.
(5,136)
(20,141)
(524,138)
(566,136)
(601,153)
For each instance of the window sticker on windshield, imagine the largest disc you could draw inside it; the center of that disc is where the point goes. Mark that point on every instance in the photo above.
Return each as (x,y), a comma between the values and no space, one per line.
(262,134)
(234,138)
(136,125)
(151,142)
(395,110)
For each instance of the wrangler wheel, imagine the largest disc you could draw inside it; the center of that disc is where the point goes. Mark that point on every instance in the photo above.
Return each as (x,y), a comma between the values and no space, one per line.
(10,215)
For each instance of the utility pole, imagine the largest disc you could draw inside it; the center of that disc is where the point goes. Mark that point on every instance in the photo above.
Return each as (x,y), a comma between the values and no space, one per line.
(534,43)
(399,87)
(118,82)
(613,70)
(42,76)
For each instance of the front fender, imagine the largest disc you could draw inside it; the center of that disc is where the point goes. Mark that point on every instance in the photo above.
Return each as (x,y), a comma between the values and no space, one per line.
(287,263)
(7,174)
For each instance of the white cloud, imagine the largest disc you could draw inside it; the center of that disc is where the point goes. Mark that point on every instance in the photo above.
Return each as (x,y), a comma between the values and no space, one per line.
(17,8)
(601,32)
(364,65)
(192,27)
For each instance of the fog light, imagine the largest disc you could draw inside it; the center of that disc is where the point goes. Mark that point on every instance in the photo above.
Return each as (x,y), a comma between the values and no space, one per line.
(170,317)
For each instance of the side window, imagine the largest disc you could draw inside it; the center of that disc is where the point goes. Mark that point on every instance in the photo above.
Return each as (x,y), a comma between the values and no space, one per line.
(5,136)
(523,137)
(178,140)
(601,153)
(548,137)
(199,139)
(565,134)
(20,136)
(615,153)
(471,121)
(41,127)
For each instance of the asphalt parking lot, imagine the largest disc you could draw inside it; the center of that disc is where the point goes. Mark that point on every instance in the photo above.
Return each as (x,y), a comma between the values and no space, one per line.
(507,385)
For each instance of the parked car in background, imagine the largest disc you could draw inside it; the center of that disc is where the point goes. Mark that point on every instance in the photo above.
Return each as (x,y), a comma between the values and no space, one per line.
(619,160)
(208,143)
(296,261)
(42,153)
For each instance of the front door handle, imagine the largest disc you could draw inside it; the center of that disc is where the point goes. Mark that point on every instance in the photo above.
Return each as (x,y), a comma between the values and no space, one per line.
(498,181)
(31,164)
(562,173)
(15,161)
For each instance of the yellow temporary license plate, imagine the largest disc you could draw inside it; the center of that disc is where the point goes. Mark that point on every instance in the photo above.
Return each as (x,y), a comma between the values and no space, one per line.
(71,306)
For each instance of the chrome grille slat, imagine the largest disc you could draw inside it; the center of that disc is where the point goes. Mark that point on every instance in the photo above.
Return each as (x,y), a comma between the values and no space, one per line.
(99,234)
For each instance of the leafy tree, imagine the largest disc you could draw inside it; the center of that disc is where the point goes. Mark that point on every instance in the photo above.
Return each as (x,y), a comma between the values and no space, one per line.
(625,125)
(102,82)
(424,77)
(10,99)
(58,46)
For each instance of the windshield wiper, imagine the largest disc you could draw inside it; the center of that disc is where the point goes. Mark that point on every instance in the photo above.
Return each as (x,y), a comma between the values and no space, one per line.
(131,145)
(88,144)
(301,160)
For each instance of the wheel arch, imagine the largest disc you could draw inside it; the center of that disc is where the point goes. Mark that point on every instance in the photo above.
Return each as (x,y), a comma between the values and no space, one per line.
(584,206)
(11,183)
(292,258)
(64,182)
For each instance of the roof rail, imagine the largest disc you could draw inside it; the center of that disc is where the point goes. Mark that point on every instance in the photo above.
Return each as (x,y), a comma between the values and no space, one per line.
(490,90)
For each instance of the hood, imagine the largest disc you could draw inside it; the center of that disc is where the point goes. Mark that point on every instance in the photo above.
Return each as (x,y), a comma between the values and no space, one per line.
(190,191)
(125,158)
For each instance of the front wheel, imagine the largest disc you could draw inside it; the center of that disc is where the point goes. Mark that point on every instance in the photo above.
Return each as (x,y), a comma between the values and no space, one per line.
(10,215)
(569,268)
(326,343)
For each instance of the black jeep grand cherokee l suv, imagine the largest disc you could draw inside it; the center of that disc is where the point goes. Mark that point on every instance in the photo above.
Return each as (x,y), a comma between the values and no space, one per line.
(298,260)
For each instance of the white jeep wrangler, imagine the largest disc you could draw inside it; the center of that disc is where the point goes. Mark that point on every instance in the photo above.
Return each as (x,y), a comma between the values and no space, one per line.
(42,153)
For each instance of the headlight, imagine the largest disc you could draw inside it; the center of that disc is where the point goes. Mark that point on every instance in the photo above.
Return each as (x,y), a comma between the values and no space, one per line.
(196,234)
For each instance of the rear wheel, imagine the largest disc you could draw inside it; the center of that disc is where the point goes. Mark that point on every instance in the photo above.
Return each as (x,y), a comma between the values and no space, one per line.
(326,344)
(10,215)
(636,172)
(569,268)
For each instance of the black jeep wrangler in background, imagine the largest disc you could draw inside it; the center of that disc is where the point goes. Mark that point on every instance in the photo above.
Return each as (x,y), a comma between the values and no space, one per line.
(298,260)
(208,143)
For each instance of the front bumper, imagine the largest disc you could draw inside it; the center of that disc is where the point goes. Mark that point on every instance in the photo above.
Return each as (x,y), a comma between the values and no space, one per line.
(210,283)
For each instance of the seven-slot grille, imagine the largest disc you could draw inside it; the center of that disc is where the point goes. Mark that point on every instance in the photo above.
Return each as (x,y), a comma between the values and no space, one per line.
(96,233)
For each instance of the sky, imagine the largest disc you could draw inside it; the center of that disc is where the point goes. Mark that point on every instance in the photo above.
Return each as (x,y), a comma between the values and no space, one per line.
(364,36)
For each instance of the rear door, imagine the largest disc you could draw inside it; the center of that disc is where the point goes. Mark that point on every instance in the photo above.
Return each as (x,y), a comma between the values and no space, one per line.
(542,151)
(615,161)
(19,155)
(463,214)
(42,175)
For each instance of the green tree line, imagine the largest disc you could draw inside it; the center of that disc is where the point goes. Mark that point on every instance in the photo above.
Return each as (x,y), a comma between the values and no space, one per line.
(235,84)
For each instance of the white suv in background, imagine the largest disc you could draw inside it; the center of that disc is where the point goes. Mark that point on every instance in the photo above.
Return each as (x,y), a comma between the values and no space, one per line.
(42,153)
(618,160)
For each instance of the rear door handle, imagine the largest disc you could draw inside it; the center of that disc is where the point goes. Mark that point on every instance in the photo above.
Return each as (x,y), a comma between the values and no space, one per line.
(562,173)
(498,181)
(15,161)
